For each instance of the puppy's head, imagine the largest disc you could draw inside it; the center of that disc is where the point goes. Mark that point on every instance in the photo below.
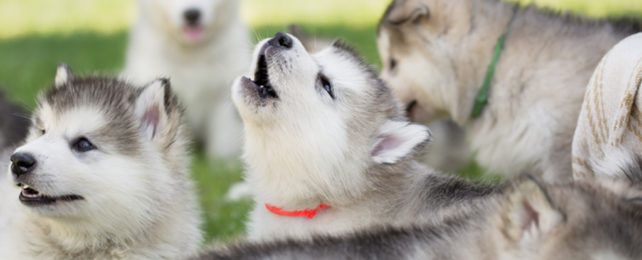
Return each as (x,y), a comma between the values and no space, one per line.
(100,150)
(190,22)
(326,115)
(419,42)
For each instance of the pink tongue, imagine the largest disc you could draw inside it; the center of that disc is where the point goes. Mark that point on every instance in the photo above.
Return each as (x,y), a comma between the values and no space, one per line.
(193,34)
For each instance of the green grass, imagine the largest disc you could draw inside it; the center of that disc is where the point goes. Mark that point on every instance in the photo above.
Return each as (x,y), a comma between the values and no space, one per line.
(28,63)
(224,220)
(90,35)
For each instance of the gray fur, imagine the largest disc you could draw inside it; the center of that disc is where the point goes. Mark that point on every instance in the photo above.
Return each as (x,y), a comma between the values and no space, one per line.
(137,201)
(305,148)
(442,55)
(116,99)
(596,224)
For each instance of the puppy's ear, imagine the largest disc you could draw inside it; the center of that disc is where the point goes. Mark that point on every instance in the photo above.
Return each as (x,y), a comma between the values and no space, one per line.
(63,75)
(152,109)
(405,11)
(528,212)
(398,139)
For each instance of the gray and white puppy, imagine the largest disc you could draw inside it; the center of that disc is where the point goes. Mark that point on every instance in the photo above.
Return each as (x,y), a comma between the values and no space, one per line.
(529,220)
(436,54)
(103,174)
(325,138)
(202,45)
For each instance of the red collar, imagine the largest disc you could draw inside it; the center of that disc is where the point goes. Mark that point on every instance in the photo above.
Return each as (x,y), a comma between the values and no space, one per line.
(308,213)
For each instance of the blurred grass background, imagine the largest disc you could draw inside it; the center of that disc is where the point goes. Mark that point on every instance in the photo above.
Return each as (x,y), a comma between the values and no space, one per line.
(91,35)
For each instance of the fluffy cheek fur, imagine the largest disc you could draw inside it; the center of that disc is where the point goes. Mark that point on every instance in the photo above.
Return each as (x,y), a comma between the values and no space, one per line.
(102,177)
(131,189)
(331,168)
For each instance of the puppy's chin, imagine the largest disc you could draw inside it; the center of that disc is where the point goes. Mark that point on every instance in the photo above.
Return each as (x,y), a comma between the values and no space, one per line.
(60,211)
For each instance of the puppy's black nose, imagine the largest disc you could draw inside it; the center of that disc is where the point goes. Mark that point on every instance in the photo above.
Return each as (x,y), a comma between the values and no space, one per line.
(281,40)
(22,163)
(192,16)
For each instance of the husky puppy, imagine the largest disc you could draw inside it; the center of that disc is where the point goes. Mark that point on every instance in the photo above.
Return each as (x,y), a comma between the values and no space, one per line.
(529,221)
(328,150)
(436,54)
(104,173)
(201,45)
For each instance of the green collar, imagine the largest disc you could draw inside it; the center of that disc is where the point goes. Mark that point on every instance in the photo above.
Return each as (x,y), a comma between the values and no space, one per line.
(482,97)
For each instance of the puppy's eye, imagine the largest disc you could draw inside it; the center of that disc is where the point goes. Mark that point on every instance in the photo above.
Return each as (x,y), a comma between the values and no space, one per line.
(393,64)
(325,84)
(42,132)
(82,145)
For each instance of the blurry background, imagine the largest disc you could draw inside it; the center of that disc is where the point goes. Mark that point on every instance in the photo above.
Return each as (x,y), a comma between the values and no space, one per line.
(91,36)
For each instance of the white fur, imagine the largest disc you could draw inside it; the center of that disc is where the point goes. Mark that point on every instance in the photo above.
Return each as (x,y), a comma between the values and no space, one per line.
(62,75)
(306,148)
(616,160)
(133,208)
(201,70)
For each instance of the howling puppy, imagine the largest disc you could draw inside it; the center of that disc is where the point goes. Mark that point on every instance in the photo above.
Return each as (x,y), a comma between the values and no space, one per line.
(201,45)
(104,173)
(328,150)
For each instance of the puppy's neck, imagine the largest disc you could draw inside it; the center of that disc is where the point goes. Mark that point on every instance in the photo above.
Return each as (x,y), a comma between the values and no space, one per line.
(294,183)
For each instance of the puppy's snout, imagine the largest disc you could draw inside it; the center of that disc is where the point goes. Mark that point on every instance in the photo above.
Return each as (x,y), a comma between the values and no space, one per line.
(192,16)
(281,40)
(22,163)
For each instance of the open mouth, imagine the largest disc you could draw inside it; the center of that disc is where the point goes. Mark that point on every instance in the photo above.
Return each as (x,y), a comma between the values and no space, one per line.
(32,197)
(261,80)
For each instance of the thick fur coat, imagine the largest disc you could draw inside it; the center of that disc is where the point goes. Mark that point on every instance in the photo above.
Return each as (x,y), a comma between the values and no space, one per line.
(323,129)
(103,174)
(436,54)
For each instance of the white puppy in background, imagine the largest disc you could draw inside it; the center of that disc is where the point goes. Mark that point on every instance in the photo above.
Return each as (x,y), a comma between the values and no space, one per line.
(201,45)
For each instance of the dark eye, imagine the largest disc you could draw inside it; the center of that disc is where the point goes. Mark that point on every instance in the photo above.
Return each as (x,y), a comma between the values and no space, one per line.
(83,145)
(325,83)
(393,64)
(42,131)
